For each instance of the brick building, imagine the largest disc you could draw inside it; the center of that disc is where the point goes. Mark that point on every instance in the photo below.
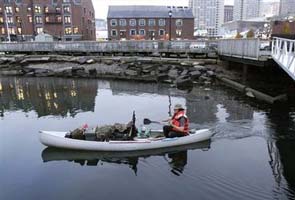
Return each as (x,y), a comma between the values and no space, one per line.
(150,23)
(63,19)
(283,28)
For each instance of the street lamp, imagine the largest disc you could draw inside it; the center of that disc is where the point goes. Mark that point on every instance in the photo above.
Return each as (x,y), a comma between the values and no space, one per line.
(170,17)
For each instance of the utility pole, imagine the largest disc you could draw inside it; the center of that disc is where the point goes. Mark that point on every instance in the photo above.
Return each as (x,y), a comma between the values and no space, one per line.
(170,17)
(7,27)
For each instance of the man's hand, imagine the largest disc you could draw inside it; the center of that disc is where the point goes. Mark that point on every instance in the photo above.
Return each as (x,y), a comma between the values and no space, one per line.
(167,120)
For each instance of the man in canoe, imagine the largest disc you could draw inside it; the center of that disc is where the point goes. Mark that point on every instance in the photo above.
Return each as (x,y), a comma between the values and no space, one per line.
(178,124)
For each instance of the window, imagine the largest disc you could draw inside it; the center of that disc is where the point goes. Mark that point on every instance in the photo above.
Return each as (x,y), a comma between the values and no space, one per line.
(132,22)
(1,20)
(152,33)
(141,32)
(142,22)
(67,19)
(67,9)
(66,1)
(29,9)
(19,30)
(152,22)
(178,32)
(178,22)
(162,22)
(76,30)
(30,19)
(16,9)
(38,20)
(58,9)
(58,18)
(11,31)
(10,20)
(3,30)
(123,33)
(68,31)
(47,19)
(132,32)
(161,32)
(38,9)
(46,9)
(0,9)
(8,9)
(114,32)
(18,19)
(122,22)
(113,22)
(39,30)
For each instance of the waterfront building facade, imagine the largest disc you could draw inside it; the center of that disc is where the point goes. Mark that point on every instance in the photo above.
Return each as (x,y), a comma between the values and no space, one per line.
(228,13)
(269,9)
(246,9)
(101,29)
(22,20)
(150,23)
(209,16)
(287,7)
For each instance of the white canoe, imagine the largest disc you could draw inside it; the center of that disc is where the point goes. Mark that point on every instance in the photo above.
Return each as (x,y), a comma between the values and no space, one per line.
(57,139)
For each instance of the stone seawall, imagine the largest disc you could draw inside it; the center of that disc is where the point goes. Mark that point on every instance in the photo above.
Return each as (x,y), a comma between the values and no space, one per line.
(182,73)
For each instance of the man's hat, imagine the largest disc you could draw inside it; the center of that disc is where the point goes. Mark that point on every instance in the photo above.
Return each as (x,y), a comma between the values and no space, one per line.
(178,107)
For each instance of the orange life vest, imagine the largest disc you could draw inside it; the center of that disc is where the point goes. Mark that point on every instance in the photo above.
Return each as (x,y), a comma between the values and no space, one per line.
(175,121)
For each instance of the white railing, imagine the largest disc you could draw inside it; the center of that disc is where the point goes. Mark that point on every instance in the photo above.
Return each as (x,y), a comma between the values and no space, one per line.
(283,52)
(244,48)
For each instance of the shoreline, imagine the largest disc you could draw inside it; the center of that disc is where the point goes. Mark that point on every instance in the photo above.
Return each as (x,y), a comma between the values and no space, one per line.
(180,73)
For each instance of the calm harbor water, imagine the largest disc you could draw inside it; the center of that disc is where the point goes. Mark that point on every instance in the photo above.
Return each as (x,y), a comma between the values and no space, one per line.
(251,155)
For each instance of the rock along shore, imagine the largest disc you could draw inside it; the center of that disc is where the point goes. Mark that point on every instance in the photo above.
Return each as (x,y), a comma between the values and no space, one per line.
(182,73)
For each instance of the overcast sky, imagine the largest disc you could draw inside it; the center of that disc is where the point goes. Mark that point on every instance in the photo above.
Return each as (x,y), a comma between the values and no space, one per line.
(101,6)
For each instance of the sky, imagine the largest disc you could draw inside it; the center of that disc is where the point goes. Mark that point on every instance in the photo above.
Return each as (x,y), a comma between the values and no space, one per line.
(101,6)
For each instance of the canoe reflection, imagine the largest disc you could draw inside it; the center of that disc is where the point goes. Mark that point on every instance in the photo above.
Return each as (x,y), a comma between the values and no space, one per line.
(176,156)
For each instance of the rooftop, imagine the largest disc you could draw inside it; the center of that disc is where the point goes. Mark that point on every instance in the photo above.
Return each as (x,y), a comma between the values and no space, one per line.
(149,12)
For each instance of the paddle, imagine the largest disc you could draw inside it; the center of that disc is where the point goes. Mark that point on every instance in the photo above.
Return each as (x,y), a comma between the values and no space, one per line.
(148,121)
(133,124)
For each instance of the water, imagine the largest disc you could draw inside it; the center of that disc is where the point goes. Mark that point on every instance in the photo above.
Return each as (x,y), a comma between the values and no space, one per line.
(250,156)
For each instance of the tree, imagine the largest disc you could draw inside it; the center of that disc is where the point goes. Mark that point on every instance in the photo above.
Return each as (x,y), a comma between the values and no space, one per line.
(238,36)
(286,28)
(250,34)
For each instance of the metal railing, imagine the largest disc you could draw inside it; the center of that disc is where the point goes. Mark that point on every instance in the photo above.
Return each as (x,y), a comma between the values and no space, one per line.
(244,48)
(283,52)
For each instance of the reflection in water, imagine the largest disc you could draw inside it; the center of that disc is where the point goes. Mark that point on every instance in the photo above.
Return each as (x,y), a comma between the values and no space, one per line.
(47,96)
(178,161)
(282,145)
(231,118)
(177,156)
(275,162)
(203,106)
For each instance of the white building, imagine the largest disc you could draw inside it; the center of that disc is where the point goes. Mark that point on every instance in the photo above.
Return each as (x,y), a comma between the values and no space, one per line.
(269,9)
(101,29)
(287,7)
(246,9)
(209,16)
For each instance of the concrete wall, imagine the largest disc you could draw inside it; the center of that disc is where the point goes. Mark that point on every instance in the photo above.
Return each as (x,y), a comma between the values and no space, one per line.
(115,46)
